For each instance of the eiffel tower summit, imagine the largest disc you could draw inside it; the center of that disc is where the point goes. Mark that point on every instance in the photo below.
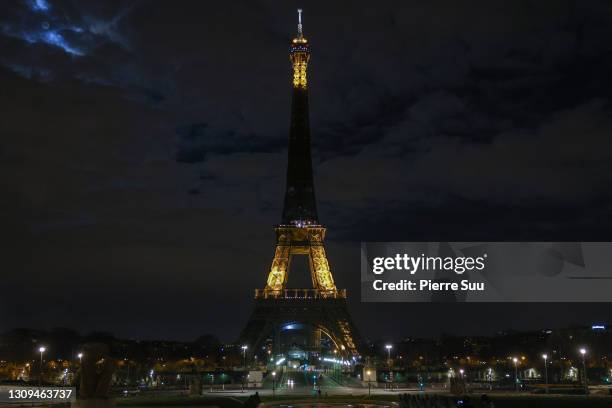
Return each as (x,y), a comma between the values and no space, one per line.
(296,324)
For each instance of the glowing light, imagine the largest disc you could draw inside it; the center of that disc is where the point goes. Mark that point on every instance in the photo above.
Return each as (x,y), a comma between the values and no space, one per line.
(336,361)
(299,56)
(42,349)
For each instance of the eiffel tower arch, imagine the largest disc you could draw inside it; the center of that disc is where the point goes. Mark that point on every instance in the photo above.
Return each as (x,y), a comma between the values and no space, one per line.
(320,313)
(322,309)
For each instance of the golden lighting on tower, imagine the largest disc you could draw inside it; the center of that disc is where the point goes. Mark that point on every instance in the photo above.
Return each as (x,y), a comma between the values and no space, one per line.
(321,309)
(299,56)
(300,240)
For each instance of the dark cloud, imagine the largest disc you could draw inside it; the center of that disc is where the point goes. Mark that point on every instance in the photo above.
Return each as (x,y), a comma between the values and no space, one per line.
(145,143)
(198,139)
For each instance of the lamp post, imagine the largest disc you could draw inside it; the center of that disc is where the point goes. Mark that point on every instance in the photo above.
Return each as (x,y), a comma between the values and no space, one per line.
(335,366)
(127,374)
(244,349)
(389,347)
(545,357)
(80,356)
(369,383)
(41,350)
(273,383)
(584,374)
(515,373)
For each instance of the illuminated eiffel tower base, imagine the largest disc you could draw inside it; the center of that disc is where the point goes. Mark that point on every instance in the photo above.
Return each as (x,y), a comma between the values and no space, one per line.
(321,311)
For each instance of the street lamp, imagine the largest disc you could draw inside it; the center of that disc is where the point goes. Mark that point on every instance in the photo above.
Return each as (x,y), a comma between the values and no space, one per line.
(369,383)
(515,373)
(273,383)
(244,349)
(545,357)
(461,372)
(80,356)
(127,374)
(41,350)
(586,385)
(389,347)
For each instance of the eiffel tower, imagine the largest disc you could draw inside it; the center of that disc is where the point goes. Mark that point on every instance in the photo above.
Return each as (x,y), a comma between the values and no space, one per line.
(321,311)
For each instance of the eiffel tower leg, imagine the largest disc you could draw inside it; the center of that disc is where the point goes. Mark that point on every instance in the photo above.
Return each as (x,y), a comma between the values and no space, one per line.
(277,278)
(322,278)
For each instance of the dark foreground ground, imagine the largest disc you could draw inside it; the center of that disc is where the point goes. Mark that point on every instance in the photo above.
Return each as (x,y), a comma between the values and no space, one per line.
(501,401)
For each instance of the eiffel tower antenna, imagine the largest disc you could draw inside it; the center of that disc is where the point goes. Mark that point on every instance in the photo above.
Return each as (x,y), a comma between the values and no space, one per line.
(300,33)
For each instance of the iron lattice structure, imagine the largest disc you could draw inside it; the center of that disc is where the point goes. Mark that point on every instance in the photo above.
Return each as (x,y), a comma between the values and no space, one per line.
(323,308)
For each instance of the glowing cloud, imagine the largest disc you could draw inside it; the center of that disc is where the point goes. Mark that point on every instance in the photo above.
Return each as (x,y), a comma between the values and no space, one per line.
(38,5)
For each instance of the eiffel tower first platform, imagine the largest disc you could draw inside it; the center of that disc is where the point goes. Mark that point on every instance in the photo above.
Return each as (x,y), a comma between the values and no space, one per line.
(310,321)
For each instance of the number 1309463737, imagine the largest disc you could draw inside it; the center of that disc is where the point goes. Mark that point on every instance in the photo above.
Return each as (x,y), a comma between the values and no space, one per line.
(32,394)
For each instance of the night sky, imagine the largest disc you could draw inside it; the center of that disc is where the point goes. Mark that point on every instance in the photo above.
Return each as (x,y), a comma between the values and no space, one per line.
(143,152)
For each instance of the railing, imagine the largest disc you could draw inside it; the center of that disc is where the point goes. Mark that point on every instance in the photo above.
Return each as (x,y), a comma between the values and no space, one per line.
(300,294)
